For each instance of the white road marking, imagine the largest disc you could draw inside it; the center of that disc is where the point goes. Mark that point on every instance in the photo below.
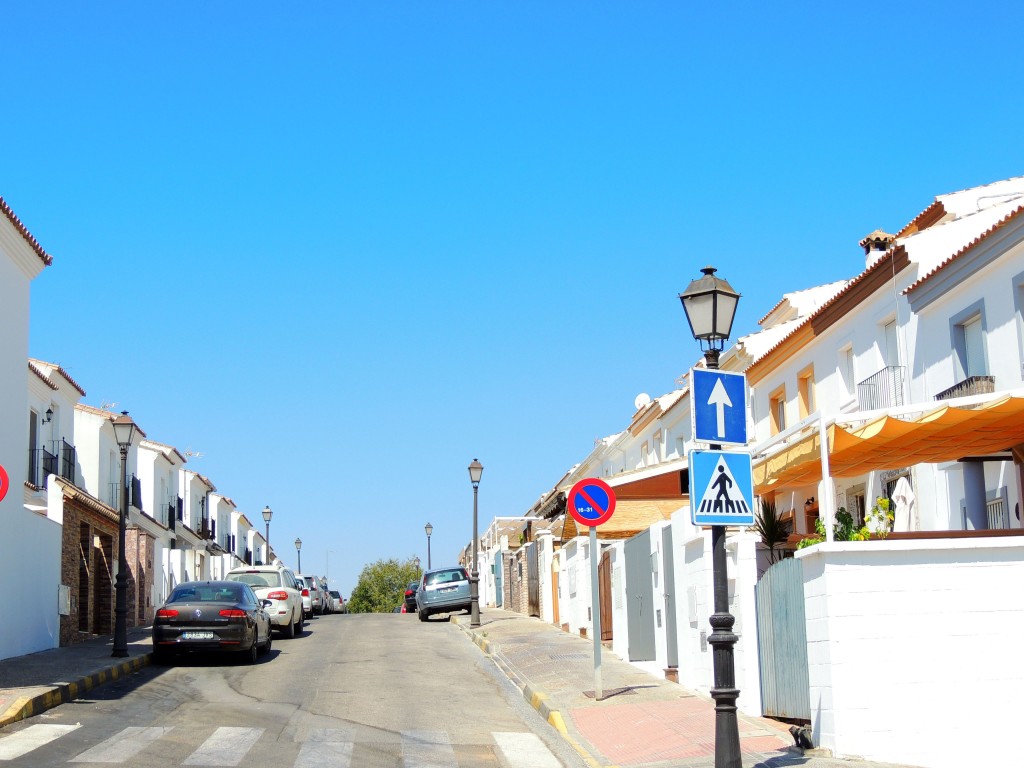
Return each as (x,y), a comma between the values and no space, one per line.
(525,750)
(227,746)
(427,749)
(33,737)
(326,747)
(122,746)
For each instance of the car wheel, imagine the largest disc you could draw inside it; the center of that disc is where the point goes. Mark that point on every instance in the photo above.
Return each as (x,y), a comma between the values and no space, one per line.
(289,631)
(299,624)
(250,656)
(270,641)
(423,615)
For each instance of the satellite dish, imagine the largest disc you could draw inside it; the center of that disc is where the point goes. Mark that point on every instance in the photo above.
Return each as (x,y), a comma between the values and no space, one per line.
(642,400)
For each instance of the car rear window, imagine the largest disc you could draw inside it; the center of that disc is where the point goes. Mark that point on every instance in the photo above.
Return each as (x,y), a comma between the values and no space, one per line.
(257,580)
(206,594)
(443,577)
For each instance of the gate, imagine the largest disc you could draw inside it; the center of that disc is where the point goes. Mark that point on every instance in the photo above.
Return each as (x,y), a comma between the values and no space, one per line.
(669,583)
(604,580)
(640,598)
(782,641)
(533,580)
(499,585)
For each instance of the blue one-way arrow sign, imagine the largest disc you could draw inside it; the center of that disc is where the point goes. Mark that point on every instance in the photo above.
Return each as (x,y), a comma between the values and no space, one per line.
(718,406)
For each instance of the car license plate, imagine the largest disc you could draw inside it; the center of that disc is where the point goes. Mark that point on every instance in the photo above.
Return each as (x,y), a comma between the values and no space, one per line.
(449,589)
(197,635)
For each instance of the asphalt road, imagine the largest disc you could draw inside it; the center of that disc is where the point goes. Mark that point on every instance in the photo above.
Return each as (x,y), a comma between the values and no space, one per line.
(360,690)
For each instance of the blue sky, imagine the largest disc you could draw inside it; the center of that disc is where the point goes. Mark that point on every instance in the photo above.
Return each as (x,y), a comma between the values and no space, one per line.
(344,249)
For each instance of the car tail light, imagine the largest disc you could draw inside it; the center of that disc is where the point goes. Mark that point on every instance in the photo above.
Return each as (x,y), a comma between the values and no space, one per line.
(408,592)
(233,613)
(166,613)
(277,596)
(305,593)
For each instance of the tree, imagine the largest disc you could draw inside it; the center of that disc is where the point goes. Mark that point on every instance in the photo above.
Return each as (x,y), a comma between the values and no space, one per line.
(772,529)
(381,586)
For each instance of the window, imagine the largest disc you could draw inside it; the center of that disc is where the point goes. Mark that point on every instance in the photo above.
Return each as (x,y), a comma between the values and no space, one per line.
(805,392)
(777,410)
(892,348)
(968,332)
(846,369)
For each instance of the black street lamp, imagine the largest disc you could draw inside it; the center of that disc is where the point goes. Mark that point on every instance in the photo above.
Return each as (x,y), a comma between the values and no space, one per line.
(298,552)
(267,514)
(428,529)
(476,471)
(710,306)
(124,430)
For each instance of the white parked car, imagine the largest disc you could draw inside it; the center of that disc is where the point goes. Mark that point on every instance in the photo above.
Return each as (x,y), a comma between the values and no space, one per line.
(312,595)
(337,603)
(278,585)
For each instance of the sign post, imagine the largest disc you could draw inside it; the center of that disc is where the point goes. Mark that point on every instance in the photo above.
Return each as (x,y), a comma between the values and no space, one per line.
(592,502)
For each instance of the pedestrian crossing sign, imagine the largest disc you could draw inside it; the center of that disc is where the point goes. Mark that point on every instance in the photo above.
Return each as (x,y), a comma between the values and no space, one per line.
(721,488)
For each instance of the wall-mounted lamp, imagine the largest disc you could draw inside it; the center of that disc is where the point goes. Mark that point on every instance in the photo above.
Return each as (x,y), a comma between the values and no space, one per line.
(809,503)
(49,416)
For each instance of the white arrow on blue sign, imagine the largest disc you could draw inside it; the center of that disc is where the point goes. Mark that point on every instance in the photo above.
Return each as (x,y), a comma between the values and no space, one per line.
(718,406)
(721,488)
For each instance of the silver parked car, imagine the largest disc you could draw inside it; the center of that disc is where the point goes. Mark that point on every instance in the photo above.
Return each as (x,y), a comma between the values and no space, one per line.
(443,590)
(278,585)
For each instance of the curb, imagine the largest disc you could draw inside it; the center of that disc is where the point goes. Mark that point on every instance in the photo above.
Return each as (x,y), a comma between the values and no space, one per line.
(29,706)
(536,698)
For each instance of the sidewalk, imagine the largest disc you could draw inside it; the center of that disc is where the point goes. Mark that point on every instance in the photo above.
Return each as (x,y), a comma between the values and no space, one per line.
(641,721)
(39,681)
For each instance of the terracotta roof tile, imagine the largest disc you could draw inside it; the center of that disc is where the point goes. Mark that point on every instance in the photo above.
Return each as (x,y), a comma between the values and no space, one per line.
(42,375)
(61,371)
(23,231)
(963,251)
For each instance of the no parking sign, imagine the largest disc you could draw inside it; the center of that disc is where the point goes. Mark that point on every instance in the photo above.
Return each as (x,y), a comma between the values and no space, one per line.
(591,502)
(5,482)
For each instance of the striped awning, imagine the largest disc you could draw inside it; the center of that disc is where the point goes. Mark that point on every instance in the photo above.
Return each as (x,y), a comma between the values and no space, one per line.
(945,433)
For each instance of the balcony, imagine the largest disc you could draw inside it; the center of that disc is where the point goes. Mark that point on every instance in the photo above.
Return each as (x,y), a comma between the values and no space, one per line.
(68,459)
(883,389)
(41,464)
(972,385)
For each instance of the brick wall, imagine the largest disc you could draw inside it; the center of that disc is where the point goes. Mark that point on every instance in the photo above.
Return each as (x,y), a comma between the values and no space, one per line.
(87,549)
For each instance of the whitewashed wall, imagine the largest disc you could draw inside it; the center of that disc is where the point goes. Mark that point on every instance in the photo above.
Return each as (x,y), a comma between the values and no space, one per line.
(913,649)
(695,598)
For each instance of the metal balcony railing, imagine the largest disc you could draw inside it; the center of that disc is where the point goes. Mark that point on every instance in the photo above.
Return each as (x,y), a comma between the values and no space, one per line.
(68,459)
(972,385)
(997,517)
(883,389)
(41,464)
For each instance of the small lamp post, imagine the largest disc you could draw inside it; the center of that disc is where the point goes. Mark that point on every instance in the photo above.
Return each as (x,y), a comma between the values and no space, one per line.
(298,552)
(428,529)
(267,514)
(124,431)
(710,306)
(476,471)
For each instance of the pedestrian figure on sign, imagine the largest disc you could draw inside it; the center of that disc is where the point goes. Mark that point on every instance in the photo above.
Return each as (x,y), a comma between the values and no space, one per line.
(723,482)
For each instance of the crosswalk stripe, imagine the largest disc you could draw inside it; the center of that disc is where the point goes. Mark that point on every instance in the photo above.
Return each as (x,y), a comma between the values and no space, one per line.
(227,746)
(122,746)
(33,737)
(427,749)
(525,750)
(316,754)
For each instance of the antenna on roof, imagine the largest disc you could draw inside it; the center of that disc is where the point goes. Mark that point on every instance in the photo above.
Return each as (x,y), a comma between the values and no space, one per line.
(107,405)
(190,454)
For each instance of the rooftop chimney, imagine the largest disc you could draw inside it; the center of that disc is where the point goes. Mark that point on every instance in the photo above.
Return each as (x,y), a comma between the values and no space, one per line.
(875,245)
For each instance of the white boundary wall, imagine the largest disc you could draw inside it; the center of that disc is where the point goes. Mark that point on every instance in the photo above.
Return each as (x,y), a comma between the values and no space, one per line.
(914,649)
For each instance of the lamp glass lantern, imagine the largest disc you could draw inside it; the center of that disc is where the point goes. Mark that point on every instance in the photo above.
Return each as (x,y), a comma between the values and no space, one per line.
(476,471)
(124,430)
(267,514)
(710,306)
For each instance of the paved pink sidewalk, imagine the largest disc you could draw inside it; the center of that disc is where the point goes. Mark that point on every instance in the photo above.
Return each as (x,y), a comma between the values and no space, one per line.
(654,731)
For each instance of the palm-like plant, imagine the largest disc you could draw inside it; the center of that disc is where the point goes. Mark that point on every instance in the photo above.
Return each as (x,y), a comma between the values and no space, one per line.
(772,529)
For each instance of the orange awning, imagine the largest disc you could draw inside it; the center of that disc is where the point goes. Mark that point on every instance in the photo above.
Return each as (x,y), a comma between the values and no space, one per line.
(943,434)
(632,516)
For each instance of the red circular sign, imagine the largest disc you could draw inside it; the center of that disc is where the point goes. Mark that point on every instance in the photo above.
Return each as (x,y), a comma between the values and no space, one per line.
(591,502)
(5,482)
